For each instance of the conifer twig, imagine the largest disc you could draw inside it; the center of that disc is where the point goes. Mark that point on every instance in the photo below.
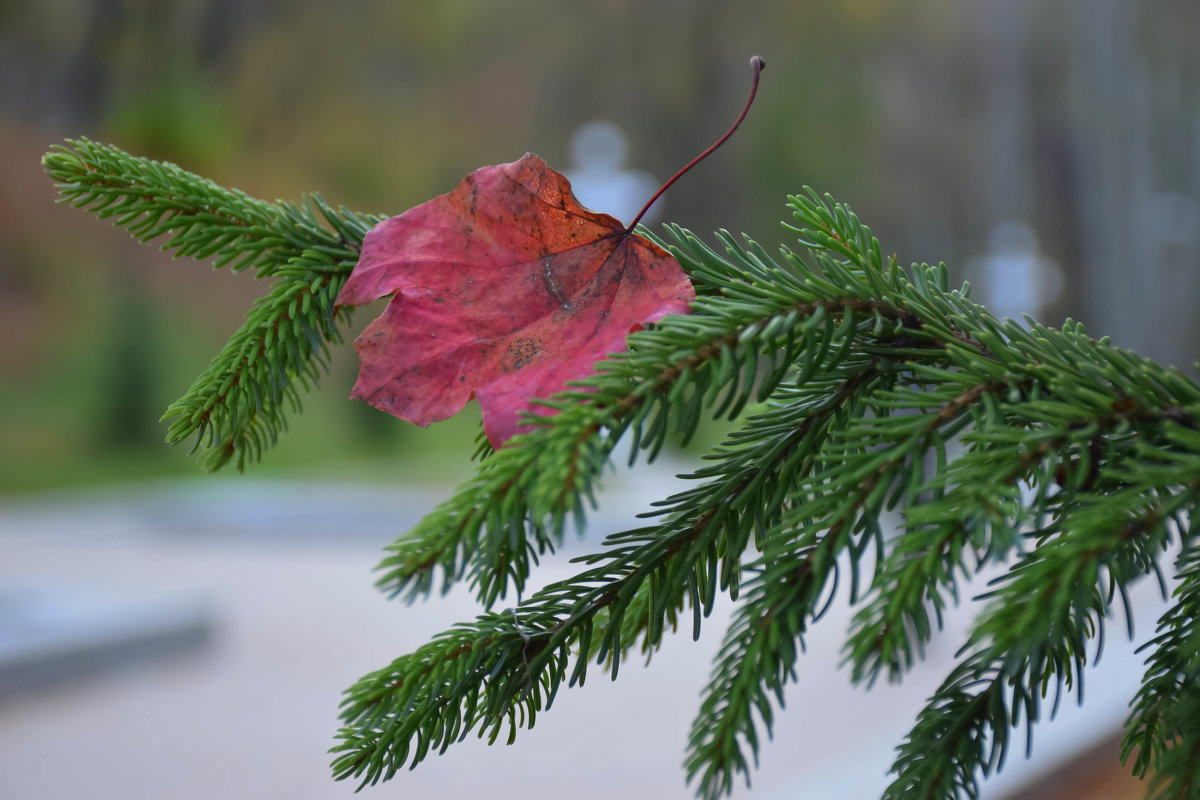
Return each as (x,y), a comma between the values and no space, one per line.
(236,408)
(858,388)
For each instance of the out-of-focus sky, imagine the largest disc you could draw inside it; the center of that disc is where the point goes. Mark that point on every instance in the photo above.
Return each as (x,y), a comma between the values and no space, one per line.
(1079,120)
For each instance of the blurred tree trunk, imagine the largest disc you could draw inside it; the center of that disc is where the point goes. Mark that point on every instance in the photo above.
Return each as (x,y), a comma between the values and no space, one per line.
(1009,184)
(85,90)
(1136,192)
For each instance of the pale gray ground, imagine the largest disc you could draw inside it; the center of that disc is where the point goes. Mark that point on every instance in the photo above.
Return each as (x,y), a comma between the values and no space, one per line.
(282,573)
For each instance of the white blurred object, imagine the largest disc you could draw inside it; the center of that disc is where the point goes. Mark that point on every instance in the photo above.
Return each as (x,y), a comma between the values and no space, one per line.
(1013,278)
(598,176)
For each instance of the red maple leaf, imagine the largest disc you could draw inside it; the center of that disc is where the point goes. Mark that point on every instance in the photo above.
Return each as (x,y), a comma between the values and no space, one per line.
(504,289)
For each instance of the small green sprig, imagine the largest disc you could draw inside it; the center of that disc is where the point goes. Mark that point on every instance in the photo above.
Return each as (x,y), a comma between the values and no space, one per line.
(237,407)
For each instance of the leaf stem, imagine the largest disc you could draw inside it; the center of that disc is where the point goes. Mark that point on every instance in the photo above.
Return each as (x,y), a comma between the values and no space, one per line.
(757,64)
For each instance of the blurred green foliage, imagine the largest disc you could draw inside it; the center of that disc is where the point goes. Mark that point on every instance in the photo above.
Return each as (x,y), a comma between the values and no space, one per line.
(381,105)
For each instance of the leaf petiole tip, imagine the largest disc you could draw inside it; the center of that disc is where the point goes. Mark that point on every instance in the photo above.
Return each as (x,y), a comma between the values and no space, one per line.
(757,64)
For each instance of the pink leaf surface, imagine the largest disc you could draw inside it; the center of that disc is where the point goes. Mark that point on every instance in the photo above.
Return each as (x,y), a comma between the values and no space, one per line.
(504,290)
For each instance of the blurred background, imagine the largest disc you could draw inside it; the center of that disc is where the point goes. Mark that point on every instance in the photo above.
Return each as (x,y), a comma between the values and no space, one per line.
(1049,152)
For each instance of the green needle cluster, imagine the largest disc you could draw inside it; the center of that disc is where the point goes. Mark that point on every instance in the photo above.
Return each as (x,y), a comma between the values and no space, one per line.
(237,407)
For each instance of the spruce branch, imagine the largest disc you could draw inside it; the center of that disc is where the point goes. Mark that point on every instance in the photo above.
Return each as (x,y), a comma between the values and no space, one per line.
(1163,731)
(860,389)
(515,508)
(1034,634)
(236,408)
(902,368)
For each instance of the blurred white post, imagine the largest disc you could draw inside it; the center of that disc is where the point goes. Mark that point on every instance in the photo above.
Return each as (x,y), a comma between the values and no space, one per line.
(1013,278)
(598,176)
